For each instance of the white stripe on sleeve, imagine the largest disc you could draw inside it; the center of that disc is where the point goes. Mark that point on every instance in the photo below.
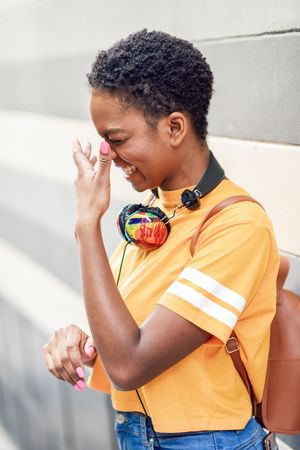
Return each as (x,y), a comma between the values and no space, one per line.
(213,287)
(203,303)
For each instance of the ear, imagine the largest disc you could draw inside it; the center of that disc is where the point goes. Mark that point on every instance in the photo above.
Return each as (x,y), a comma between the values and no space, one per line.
(177,127)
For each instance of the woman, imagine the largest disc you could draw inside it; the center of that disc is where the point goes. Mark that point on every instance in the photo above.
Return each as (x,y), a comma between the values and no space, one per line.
(159,315)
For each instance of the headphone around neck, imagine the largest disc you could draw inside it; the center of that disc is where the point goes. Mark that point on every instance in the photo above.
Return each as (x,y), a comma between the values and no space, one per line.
(148,227)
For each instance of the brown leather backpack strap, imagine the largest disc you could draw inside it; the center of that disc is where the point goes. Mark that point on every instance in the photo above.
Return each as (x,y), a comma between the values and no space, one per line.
(283,271)
(233,349)
(215,210)
(232,345)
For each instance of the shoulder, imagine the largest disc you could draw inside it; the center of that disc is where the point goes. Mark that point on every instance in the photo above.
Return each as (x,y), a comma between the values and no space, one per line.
(242,212)
(242,221)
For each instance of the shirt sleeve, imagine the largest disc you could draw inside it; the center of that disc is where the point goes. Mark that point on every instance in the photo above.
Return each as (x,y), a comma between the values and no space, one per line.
(224,275)
(98,378)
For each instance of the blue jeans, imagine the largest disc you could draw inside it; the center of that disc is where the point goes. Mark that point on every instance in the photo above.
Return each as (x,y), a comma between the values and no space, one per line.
(134,432)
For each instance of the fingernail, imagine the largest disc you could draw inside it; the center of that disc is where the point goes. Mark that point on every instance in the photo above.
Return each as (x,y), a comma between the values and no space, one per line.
(104,148)
(81,384)
(77,388)
(90,351)
(86,144)
(80,372)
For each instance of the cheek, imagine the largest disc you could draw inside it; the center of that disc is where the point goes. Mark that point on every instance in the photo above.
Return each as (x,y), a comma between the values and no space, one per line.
(139,152)
(144,153)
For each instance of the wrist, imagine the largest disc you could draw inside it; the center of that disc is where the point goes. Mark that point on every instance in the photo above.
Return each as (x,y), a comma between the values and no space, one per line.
(86,226)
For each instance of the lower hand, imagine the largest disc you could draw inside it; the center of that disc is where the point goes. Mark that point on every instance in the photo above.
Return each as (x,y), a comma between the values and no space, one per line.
(66,352)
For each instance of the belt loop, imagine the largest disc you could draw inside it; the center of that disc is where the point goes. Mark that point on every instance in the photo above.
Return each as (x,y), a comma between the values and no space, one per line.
(143,429)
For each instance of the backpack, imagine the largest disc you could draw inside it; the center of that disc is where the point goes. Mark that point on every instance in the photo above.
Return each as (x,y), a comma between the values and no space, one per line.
(279,410)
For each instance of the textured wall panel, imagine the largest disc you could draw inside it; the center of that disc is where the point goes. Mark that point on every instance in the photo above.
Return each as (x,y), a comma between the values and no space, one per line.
(271,174)
(40,412)
(32,172)
(257,87)
(47,29)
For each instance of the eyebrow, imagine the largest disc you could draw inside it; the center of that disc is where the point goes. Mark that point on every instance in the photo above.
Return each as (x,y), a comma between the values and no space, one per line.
(112,131)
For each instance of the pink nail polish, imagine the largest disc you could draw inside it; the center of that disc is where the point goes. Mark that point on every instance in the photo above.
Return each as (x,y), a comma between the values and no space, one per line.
(90,351)
(81,384)
(77,388)
(104,148)
(80,372)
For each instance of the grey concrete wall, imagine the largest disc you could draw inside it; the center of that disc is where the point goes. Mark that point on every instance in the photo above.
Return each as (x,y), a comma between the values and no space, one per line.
(45,29)
(257,85)
(38,220)
(39,412)
(46,48)
(253,48)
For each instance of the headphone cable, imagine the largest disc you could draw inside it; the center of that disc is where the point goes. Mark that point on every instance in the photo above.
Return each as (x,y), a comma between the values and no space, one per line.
(148,417)
(139,397)
(121,264)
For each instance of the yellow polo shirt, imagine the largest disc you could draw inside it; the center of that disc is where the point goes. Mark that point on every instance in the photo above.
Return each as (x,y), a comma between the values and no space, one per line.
(230,282)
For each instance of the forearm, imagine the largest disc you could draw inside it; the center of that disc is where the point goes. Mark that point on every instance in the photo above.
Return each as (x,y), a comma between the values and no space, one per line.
(114,330)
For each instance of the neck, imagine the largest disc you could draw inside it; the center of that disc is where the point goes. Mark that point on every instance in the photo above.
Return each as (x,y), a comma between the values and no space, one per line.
(193,161)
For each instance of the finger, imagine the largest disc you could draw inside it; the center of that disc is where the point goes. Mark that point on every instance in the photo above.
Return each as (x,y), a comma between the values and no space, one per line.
(78,156)
(87,149)
(103,174)
(73,350)
(89,347)
(76,144)
(60,363)
(81,161)
(75,358)
(50,365)
(72,342)
(93,160)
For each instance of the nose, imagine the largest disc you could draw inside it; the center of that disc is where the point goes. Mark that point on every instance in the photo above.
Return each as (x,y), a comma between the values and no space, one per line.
(115,158)
(113,154)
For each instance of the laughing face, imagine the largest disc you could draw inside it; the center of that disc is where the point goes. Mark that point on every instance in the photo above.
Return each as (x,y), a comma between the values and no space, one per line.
(145,155)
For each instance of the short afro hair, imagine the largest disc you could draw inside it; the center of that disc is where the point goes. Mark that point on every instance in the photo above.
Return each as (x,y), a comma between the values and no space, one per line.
(157,74)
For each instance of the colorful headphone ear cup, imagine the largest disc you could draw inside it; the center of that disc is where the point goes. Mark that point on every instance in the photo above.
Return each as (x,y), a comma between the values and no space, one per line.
(146,229)
(123,216)
(121,224)
(159,213)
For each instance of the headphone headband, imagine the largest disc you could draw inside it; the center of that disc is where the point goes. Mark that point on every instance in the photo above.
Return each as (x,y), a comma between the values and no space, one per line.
(213,175)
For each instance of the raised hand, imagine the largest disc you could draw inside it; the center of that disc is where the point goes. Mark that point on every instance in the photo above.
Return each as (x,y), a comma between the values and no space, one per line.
(92,186)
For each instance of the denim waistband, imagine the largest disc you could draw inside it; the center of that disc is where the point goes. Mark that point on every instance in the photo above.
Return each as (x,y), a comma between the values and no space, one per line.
(137,426)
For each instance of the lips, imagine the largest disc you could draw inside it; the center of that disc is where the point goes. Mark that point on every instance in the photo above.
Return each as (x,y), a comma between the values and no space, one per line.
(128,170)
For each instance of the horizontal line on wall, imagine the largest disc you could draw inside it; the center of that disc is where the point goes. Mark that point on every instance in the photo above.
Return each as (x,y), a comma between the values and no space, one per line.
(37,282)
(284,252)
(259,141)
(241,36)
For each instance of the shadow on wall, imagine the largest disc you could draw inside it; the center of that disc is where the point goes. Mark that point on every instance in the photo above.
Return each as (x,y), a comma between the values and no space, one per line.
(38,411)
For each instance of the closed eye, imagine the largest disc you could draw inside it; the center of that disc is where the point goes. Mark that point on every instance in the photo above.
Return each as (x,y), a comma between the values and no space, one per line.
(115,142)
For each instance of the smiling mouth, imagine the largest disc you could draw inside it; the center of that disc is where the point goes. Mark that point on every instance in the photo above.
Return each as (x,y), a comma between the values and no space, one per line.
(128,170)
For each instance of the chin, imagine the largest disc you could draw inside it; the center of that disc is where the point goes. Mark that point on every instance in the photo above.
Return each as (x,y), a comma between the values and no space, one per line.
(141,186)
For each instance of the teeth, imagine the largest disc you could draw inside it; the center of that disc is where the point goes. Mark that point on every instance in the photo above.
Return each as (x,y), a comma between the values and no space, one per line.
(129,170)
